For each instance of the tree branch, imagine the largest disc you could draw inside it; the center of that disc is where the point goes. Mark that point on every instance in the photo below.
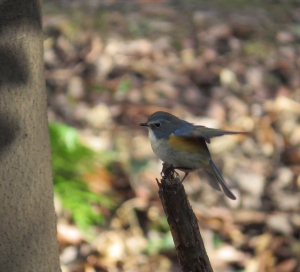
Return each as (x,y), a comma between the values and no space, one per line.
(183,223)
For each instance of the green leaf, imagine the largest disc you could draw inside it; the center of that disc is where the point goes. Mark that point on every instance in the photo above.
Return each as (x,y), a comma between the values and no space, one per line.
(71,160)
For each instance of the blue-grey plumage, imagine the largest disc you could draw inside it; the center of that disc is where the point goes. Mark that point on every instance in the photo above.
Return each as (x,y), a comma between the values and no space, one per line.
(183,145)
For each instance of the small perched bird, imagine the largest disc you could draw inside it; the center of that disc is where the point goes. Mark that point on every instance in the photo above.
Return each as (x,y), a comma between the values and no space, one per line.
(183,145)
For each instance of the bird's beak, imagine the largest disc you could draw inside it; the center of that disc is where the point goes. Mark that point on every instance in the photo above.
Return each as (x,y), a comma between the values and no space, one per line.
(144,125)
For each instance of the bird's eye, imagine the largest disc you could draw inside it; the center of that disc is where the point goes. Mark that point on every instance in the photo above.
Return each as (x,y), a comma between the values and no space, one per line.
(157,125)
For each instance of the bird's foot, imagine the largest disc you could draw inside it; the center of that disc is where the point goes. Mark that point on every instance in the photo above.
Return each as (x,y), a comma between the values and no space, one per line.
(185,175)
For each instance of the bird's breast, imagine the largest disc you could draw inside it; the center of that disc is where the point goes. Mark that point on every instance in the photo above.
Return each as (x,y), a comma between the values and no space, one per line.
(159,146)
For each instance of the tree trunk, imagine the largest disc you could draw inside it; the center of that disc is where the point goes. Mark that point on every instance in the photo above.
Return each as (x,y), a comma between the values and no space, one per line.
(27,218)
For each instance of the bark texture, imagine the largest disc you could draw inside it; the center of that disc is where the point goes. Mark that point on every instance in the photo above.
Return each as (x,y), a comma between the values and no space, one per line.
(27,217)
(183,224)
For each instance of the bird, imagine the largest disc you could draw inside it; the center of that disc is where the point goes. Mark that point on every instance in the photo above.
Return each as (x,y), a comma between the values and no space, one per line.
(184,146)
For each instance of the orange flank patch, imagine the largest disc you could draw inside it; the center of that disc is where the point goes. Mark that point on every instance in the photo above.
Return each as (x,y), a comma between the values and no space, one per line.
(192,145)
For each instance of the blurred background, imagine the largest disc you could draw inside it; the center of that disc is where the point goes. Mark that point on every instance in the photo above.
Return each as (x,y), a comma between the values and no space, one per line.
(229,64)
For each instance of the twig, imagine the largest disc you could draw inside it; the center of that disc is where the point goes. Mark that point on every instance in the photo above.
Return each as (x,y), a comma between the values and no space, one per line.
(183,223)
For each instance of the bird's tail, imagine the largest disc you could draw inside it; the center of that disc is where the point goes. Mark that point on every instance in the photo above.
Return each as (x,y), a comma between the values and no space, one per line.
(218,181)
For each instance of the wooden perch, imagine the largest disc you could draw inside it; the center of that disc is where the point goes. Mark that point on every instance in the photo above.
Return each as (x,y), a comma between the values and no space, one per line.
(183,223)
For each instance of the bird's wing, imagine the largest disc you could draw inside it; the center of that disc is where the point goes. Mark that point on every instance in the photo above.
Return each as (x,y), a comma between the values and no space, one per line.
(204,132)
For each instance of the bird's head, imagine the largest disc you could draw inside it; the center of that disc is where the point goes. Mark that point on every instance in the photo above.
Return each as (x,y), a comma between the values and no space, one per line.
(163,124)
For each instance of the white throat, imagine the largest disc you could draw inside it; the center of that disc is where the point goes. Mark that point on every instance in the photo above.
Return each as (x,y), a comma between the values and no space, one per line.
(152,137)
